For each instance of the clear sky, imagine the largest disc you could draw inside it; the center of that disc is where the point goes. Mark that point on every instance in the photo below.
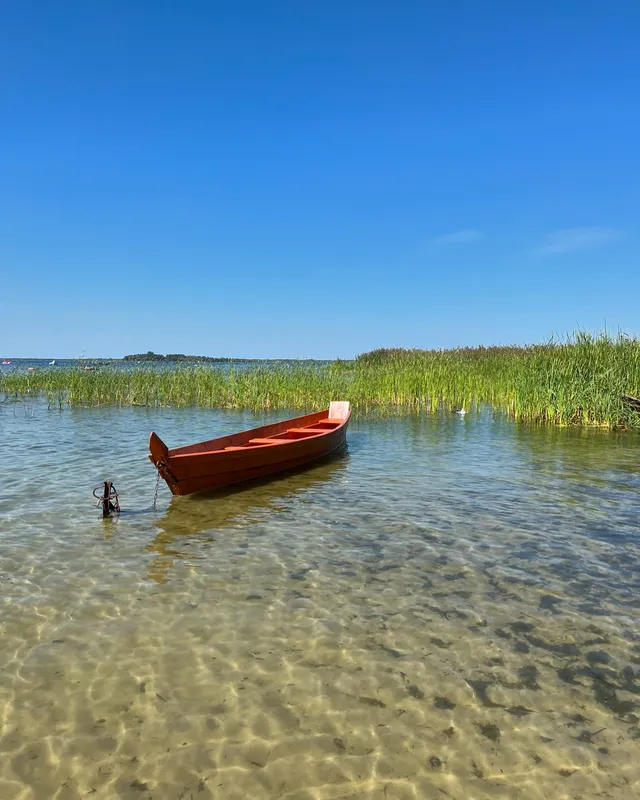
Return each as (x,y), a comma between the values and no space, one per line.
(315,179)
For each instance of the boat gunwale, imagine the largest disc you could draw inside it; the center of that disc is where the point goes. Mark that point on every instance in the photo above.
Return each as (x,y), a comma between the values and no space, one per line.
(252,434)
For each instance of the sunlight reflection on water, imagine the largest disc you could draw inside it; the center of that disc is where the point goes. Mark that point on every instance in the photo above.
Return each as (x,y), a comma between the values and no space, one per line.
(452,606)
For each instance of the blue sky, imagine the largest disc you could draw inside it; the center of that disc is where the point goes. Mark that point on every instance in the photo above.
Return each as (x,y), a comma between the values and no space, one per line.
(315,179)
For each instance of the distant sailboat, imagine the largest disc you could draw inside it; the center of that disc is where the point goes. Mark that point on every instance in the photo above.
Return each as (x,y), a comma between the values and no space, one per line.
(7,361)
(52,363)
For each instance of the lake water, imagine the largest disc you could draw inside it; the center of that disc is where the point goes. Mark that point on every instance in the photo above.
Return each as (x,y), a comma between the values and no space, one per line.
(22,365)
(449,610)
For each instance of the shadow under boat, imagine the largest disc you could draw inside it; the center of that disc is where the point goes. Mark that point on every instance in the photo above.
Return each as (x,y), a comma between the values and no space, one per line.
(235,506)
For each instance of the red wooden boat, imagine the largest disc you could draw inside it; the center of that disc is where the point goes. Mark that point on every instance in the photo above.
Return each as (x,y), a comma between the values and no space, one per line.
(251,454)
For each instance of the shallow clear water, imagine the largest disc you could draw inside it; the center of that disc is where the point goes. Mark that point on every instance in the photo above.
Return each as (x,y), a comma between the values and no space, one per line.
(449,610)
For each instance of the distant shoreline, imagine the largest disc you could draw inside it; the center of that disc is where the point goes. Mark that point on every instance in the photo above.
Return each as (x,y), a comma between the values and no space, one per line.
(176,358)
(161,359)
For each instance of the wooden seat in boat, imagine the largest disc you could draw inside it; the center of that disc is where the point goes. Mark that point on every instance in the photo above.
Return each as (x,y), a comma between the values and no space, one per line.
(306,430)
(268,441)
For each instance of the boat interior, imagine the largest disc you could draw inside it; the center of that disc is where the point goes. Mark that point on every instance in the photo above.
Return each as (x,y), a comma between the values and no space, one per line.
(278,433)
(291,434)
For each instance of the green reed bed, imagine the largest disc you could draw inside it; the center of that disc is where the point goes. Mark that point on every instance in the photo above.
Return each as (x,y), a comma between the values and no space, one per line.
(579,381)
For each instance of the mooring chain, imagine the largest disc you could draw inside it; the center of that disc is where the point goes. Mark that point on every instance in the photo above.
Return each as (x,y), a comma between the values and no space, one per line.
(155,494)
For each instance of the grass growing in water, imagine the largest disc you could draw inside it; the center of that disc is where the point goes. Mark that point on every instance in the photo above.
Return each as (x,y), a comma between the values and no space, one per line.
(578,381)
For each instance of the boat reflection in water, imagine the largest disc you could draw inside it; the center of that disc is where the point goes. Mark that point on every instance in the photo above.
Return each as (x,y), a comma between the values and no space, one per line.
(204,515)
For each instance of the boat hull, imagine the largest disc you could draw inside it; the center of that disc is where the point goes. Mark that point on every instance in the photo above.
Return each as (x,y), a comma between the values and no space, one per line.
(258,453)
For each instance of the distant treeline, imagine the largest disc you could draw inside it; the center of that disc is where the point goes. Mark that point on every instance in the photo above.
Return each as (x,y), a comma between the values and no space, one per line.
(180,357)
(150,356)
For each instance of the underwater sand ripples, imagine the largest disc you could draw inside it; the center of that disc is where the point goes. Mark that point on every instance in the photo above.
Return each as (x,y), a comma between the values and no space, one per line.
(451,608)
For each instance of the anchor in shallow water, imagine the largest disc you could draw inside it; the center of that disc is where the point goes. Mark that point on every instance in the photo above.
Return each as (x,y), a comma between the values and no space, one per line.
(108,500)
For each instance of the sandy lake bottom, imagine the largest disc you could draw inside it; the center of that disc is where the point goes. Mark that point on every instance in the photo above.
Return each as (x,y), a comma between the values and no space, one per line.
(450,609)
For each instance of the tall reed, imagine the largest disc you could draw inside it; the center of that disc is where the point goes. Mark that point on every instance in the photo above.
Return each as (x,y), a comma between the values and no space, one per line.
(579,381)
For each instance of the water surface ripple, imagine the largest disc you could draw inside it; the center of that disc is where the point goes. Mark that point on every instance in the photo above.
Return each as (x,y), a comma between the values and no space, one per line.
(448,610)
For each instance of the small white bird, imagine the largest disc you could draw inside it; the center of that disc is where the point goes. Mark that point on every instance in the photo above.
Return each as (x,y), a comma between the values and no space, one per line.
(461,411)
